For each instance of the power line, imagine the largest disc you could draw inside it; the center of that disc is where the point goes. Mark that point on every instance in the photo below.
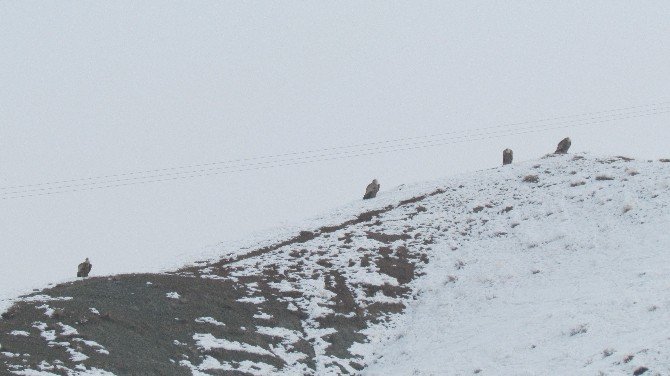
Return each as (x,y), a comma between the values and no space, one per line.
(93,180)
(270,164)
(309,157)
(202,173)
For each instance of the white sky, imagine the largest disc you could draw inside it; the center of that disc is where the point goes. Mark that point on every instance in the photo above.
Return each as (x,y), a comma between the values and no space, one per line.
(96,88)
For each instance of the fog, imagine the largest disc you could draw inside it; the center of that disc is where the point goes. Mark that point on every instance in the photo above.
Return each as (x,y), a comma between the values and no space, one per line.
(104,88)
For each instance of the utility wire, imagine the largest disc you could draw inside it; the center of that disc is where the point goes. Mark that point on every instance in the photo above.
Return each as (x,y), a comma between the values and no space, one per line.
(92,180)
(246,165)
(162,178)
(393,147)
(271,163)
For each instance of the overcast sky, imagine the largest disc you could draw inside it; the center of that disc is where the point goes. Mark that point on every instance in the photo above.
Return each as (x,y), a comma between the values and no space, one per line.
(98,88)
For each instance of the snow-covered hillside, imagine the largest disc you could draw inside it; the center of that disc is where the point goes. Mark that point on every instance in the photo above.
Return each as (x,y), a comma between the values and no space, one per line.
(557,266)
(573,280)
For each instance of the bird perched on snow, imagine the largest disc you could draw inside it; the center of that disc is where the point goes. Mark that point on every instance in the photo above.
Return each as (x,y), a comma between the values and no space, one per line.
(84,268)
(563,146)
(508,156)
(371,190)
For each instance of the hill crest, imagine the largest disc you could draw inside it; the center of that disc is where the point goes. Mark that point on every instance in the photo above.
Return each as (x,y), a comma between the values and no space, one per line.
(356,296)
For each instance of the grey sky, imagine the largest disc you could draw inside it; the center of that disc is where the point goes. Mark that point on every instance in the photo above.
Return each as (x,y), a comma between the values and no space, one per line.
(91,88)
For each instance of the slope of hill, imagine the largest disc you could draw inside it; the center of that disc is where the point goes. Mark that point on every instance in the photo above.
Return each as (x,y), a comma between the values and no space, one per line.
(555,266)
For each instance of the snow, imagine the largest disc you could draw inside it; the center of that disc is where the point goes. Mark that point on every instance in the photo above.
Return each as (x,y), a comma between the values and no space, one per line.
(291,336)
(209,320)
(490,299)
(44,298)
(47,310)
(520,277)
(210,363)
(263,316)
(284,286)
(48,335)
(292,307)
(75,355)
(172,295)
(98,347)
(445,67)
(20,333)
(67,330)
(31,372)
(288,337)
(574,288)
(253,300)
(79,370)
(208,341)
(89,372)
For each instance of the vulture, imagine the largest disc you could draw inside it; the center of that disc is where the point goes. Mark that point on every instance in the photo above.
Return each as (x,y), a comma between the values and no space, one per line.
(371,190)
(84,268)
(563,146)
(508,156)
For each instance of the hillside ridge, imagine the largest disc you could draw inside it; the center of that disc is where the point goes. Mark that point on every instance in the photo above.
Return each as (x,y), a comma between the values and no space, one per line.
(335,298)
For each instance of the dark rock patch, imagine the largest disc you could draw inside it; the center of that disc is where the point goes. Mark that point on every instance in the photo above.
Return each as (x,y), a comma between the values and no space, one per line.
(386,238)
